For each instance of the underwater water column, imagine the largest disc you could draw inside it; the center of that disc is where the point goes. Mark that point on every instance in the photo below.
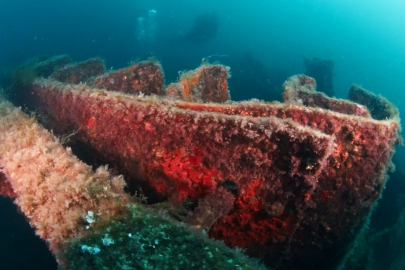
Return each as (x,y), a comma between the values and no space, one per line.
(146,28)
(84,215)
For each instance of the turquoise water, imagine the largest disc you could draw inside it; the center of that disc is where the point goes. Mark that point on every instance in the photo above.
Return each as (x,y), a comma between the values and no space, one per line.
(263,42)
(365,39)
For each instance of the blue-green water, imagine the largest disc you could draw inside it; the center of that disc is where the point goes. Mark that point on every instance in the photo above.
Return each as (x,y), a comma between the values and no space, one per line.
(263,42)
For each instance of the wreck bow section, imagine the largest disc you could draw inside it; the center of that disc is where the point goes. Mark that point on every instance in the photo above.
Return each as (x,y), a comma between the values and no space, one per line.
(291,183)
(352,179)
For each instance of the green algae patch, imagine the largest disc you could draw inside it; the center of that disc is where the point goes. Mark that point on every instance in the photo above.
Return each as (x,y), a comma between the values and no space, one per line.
(144,240)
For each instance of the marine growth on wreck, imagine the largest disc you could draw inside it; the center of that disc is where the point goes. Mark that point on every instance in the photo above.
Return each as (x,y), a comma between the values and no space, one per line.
(291,184)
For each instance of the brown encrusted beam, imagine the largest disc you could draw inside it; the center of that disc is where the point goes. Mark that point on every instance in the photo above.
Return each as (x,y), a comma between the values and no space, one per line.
(80,72)
(25,74)
(301,90)
(208,83)
(380,107)
(52,187)
(47,67)
(143,78)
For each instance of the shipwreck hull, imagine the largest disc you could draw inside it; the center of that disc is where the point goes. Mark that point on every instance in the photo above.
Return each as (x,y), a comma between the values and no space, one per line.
(291,183)
(189,154)
(349,184)
(297,189)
